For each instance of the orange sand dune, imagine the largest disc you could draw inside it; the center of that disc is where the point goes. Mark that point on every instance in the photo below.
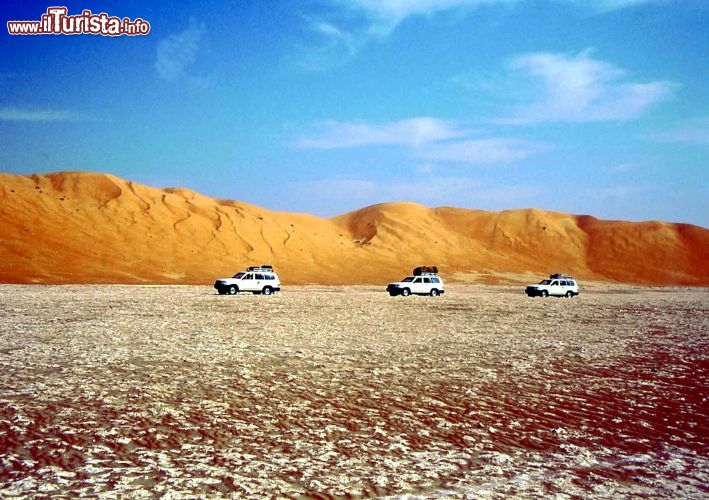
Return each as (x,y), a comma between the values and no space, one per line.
(74,227)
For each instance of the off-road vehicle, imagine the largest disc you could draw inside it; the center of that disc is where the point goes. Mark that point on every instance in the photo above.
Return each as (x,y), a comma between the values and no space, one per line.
(425,281)
(558,285)
(256,279)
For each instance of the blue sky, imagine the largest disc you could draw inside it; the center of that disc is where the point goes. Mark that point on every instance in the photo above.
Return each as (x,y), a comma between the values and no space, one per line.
(596,107)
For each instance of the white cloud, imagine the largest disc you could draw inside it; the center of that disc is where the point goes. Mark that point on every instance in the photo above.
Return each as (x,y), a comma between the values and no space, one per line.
(337,188)
(350,193)
(334,47)
(616,192)
(412,132)
(623,167)
(366,20)
(44,115)
(387,14)
(377,19)
(429,139)
(504,197)
(177,52)
(340,195)
(485,151)
(609,5)
(693,132)
(578,88)
(430,190)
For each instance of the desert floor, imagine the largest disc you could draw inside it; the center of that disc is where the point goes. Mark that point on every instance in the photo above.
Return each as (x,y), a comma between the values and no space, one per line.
(319,392)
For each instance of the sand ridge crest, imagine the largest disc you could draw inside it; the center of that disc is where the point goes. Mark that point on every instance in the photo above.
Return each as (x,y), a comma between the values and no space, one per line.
(80,227)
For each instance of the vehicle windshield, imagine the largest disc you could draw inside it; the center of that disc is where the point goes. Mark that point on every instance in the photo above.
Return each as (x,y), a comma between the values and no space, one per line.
(238,275)
(545,282)
(407,279)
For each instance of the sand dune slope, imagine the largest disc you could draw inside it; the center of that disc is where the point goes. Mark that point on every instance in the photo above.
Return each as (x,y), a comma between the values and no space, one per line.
(74,227)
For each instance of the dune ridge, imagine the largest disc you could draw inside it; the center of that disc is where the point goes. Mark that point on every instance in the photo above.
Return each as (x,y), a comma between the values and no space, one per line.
(80,227)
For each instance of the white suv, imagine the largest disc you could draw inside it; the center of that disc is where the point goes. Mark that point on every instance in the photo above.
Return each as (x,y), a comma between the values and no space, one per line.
(425,281)
(256,279)
(558,285)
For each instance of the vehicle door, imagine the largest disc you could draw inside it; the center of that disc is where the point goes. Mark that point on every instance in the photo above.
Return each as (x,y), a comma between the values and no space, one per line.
(436,283)
(259,280)
(555,288)
(248,282)
(417,285)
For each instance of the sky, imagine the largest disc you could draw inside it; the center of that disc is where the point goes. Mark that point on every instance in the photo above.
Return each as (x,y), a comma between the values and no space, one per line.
(594,107)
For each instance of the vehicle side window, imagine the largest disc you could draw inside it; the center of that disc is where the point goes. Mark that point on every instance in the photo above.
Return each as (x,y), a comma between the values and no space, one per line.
(249,276)
(417,280)
(554,283)
(435,280)
(259,276)
(269,276)
(427,280)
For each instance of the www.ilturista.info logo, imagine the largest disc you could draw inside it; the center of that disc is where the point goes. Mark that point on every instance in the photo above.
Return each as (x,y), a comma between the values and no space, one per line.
(57,22)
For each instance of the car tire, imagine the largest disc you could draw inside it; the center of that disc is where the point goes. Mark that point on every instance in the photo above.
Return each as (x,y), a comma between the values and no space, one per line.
(233,289)
(433,292)
(569,294)
(267,290)
(405,292)
(544,294)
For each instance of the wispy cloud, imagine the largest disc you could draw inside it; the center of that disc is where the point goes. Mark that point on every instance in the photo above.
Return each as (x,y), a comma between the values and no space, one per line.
(377,19)
(609,5)
(339,195)
(361,21)
(623,168)
(333,47)
(177,52)
(485,151)
(385,15)
(693,132)
(428,138)
(356,192)
(412,132)
(578,88)
(616,192)
(44,115)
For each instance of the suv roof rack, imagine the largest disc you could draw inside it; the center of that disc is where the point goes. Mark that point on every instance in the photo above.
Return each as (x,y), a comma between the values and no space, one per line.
(560,276)
(262,268)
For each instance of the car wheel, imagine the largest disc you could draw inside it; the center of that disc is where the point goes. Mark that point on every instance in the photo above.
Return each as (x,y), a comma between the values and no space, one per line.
(569,294)
(233,290)
(267,290)
(434,292)
(544,294)
(405,292)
